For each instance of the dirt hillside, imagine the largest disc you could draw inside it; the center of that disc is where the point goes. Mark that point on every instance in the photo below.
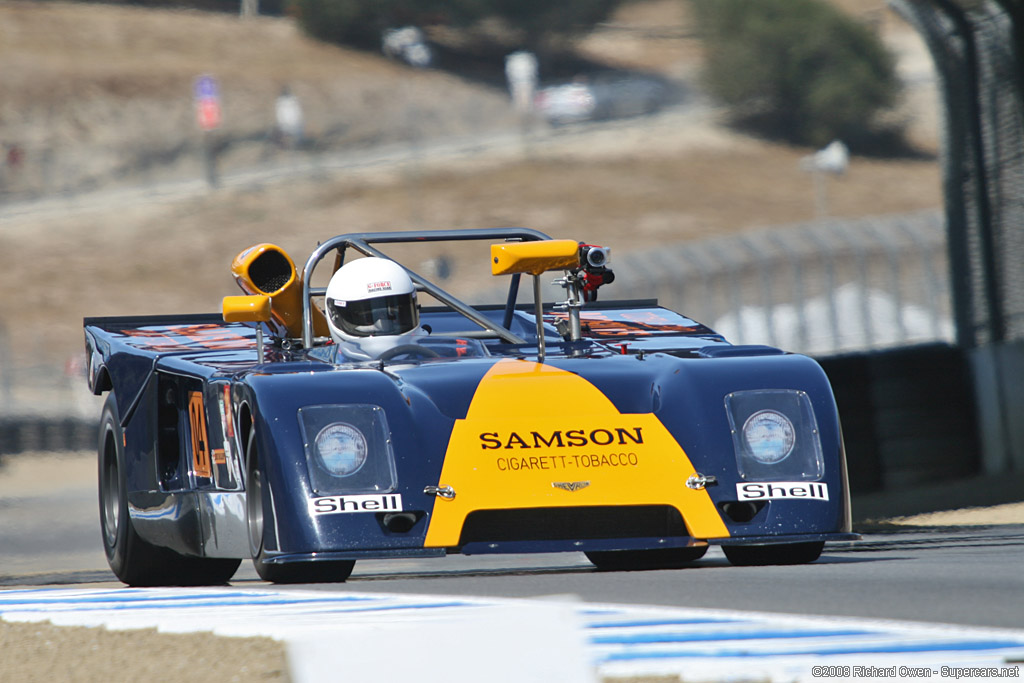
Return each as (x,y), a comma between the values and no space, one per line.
(114,84)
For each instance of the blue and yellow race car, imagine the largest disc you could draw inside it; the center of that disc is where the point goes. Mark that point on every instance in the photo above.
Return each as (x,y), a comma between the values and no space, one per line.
(622,430)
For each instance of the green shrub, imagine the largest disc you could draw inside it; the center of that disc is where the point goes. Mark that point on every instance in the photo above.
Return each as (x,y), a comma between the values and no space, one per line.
(360,22)
(799,69)
(349,22)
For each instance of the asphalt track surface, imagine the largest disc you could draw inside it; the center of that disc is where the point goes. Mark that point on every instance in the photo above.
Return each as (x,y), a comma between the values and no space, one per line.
(957,575)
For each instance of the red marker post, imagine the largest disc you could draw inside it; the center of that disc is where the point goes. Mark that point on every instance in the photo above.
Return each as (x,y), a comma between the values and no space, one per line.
(206,96)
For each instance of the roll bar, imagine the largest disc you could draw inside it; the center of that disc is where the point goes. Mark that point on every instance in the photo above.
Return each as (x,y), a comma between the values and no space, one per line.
(361,242)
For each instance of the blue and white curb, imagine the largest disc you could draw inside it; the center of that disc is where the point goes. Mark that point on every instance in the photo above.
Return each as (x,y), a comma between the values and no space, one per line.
(561,639)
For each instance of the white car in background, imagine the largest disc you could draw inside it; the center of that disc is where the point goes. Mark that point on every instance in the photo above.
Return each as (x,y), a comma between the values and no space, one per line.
(609,95)
(565,103)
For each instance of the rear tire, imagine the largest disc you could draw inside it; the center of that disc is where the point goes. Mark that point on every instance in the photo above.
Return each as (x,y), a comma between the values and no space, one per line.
(257,507)
(132,559)
(634,560)
(782,553)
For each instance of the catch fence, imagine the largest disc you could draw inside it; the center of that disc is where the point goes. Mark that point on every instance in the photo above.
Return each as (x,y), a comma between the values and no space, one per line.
(820,288)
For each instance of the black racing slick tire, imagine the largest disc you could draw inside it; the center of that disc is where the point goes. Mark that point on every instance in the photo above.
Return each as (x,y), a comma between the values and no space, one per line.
(133,560)
(637,560)
(781,553)
(258,509)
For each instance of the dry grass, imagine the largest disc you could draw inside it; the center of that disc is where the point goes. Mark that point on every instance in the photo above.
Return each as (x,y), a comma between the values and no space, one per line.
(103,72)
(40,653)
(98,88)
(81,50)
(174,259)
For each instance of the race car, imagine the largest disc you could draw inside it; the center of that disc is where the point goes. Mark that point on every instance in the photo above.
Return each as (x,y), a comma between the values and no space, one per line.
(619,429)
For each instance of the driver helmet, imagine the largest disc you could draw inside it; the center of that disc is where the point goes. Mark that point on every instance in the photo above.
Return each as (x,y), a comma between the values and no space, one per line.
(371,307)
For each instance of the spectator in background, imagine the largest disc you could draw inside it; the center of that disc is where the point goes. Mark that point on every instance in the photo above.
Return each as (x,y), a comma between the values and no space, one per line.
(290,124)
(15,156)
(521,72)
(407,44)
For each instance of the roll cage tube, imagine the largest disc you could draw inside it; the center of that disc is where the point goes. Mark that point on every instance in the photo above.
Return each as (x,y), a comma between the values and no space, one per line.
(361,242)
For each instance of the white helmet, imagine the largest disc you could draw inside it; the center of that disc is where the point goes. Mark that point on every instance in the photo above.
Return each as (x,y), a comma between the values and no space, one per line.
(371,307)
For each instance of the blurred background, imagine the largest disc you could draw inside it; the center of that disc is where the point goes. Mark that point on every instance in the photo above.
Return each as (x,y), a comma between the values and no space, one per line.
(834,177)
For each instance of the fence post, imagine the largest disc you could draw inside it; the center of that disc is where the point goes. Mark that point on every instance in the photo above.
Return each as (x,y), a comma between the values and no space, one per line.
(931,281)
(892,256)
(825,252)
(799,292)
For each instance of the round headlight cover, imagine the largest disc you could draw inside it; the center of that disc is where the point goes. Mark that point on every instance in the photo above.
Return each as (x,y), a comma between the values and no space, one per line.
(341,449)
(769,435)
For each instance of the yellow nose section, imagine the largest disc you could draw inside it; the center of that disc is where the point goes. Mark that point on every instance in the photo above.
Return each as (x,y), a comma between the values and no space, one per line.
(537,436)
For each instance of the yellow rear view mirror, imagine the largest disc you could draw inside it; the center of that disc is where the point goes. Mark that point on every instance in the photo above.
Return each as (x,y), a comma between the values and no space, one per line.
(534,257)
(254,308)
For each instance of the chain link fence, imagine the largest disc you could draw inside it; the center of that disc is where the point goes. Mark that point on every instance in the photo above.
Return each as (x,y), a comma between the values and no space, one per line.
(974,48)
(818,288)
(826,288)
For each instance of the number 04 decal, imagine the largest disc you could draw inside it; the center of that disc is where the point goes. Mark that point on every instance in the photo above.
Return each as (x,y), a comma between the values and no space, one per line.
(200,444)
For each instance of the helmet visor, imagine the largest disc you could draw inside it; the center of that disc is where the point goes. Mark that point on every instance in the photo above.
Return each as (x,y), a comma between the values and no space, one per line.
(389,315)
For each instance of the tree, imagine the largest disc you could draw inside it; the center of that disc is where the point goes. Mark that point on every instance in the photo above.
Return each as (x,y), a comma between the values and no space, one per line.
(796,68)
(356,22)
(360,22)
(540,21)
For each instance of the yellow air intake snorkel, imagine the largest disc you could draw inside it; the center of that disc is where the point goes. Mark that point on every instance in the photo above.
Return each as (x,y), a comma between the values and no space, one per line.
(266,269)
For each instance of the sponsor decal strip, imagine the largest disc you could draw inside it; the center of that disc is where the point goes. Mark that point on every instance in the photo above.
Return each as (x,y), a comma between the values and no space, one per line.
(777,490)
(620,640)
(557,438)
(333,505)
(516,442)
(564,462)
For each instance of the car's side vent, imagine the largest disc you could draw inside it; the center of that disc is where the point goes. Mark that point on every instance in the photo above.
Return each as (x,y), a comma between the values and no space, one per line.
(557,524)
(169,451)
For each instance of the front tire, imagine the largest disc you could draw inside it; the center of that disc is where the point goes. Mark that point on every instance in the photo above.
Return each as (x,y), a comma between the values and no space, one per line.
(133,560)
(257,506)
(782,553)
(637,560)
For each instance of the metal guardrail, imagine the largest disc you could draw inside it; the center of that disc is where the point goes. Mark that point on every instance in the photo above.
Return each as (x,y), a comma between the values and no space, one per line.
(817,288)
(43,434)
(822,288)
